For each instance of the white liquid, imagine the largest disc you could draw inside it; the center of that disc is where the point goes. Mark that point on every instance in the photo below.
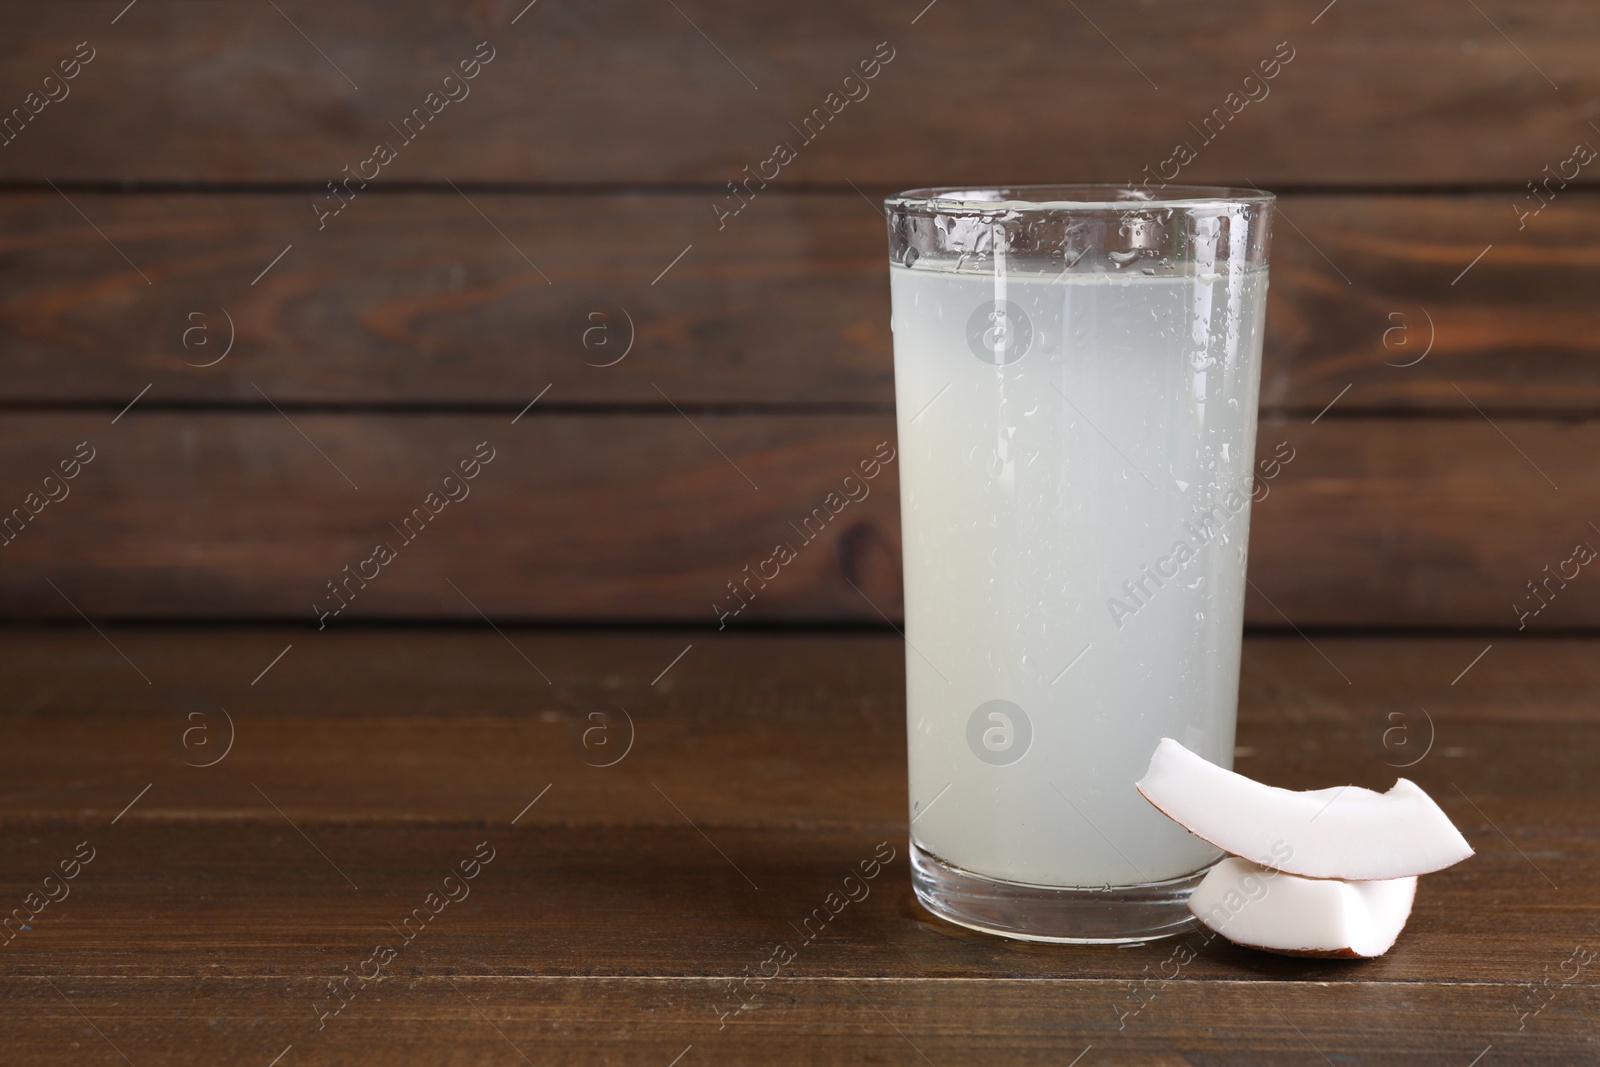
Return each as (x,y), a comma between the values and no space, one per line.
(1030,493)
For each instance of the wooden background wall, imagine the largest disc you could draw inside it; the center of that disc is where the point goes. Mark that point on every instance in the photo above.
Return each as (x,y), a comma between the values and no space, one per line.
(562,212)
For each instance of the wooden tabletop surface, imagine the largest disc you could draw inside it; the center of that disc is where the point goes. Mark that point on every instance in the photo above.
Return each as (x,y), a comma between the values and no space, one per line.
(241,878)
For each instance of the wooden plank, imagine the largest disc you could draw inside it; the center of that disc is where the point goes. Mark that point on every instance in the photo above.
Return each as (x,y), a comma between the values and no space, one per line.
(640,92)
(630,897)
(1373,522)
(415,299)
(1402,522)
(98,734)
(1433,304)
(460,1019)
(607,928)
(638,516)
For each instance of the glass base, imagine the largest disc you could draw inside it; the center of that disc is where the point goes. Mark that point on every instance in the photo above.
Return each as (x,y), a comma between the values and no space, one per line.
(1104,916)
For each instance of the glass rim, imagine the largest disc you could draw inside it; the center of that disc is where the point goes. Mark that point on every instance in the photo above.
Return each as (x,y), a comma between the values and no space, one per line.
(1080,197)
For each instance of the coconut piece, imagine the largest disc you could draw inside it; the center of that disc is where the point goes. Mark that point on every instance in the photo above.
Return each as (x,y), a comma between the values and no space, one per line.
(1345,832)
(1266,909)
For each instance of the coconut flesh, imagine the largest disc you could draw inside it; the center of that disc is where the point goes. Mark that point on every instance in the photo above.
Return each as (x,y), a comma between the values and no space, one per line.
(1327,872)
(1257,906)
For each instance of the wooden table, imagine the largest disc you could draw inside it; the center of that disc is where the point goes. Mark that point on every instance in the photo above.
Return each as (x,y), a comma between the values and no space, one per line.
(230,913)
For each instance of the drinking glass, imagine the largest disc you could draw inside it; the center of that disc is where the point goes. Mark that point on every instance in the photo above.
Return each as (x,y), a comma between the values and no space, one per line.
(1076,377)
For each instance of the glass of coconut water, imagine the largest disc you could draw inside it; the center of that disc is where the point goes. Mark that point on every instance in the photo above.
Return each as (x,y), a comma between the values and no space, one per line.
(1076,376)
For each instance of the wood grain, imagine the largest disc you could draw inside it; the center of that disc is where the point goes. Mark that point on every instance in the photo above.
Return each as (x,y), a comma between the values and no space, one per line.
(1375,522)
(1427,522)
(459,1020)
(640,516)
(415,299)
(631,92)
(607,928)
(97,733)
